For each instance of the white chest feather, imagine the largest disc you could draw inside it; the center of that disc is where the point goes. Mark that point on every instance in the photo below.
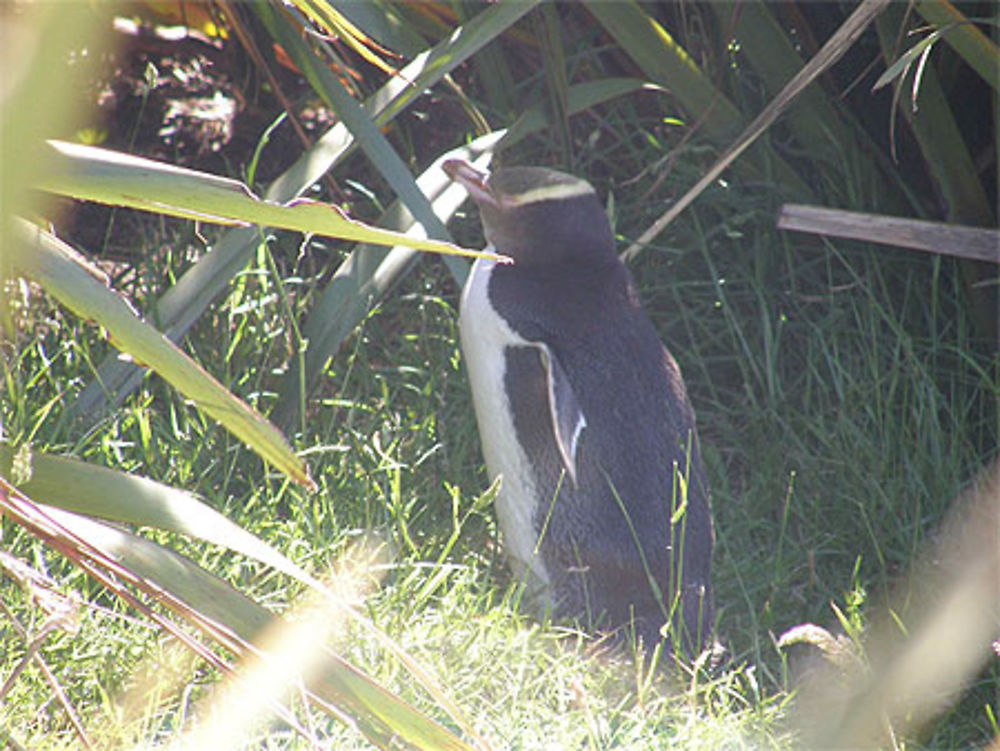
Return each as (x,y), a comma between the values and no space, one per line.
(484,336)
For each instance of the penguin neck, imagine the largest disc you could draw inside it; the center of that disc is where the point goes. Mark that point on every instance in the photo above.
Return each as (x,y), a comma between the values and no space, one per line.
(563,264)
(586,271)
(562,301)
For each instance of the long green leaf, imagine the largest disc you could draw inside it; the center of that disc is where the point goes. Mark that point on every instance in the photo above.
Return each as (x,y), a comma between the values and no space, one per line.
(982,55)
(85,488)
(109,177)
(50,262)
(902,65)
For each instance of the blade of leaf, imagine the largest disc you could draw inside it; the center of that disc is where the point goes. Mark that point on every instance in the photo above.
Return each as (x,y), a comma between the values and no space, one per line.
(95,174)
(46,259)
(85,488)
(965,38)
(918,76)
(902,65)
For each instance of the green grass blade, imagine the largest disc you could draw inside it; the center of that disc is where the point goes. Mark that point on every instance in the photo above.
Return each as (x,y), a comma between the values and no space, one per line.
(85,488)
(50,262)
(94,174)
(982,55)
(902,65)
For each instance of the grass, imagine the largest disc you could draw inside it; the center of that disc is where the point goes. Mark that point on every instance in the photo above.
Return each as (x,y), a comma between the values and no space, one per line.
(843,401)
(835,432)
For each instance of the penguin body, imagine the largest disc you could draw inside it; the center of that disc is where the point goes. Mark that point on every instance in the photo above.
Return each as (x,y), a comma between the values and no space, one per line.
(603,505)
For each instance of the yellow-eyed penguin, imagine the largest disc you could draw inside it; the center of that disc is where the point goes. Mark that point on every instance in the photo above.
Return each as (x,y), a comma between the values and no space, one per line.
(603,505)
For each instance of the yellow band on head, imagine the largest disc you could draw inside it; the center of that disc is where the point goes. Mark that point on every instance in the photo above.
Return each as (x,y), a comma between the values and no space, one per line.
(551,192)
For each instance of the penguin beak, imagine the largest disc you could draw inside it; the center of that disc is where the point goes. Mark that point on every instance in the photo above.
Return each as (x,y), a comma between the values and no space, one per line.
(473,180)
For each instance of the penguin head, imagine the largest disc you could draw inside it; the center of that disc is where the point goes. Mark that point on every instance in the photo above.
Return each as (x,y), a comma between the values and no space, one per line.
(539,217)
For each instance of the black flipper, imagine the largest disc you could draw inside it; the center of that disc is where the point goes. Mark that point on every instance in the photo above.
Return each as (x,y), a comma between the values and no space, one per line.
(567,416)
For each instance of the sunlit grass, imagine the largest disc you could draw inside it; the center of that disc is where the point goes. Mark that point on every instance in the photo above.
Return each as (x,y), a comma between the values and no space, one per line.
(821,494)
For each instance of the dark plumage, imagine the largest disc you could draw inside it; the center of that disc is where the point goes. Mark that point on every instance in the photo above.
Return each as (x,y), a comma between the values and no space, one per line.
(584,413)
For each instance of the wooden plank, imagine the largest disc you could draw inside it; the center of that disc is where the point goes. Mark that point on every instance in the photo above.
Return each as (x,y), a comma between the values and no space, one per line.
(974,243)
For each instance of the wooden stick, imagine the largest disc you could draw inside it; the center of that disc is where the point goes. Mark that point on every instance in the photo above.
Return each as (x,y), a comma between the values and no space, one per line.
(974,243)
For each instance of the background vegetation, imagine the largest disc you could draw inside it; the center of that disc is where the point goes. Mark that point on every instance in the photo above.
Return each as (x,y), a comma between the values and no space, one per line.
(846,393)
